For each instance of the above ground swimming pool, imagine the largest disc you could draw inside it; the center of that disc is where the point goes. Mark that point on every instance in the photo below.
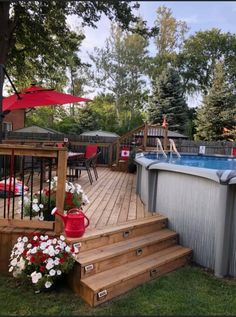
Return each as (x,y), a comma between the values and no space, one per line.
(197,193)
(203,161)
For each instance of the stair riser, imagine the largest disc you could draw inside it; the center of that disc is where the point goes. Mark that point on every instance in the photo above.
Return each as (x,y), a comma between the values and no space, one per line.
(118,236)
(123,286)
(127,257)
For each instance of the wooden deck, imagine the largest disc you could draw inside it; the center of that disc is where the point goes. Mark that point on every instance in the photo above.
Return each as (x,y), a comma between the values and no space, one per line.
(112,199)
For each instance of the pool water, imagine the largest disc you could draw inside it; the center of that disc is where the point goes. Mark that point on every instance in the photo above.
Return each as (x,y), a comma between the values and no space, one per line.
(212,162)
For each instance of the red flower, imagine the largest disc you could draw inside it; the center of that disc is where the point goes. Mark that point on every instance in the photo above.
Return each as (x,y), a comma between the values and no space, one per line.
(32,259)
(62,260)
(42,268)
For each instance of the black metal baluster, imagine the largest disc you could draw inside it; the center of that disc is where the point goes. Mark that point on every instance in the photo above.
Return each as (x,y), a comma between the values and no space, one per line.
(42,171)
(5,185)
(14,187)
(48,216)
(31,186)
(23,186)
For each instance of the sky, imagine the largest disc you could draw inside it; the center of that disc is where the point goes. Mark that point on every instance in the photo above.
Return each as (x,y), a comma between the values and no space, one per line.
(199,15)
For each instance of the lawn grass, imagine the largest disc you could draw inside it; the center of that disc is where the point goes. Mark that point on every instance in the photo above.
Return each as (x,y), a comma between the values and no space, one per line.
(187,291)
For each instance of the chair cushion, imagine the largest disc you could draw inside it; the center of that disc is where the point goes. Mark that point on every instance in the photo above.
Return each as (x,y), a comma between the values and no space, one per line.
(91,150)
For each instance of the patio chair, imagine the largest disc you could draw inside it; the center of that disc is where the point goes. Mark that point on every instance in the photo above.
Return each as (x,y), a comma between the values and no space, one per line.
(94,164)
(81,164)
(91,150)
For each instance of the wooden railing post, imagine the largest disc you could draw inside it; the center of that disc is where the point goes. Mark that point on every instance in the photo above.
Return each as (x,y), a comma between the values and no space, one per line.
(110,155)
(117,152)
(61,181)
(145,136)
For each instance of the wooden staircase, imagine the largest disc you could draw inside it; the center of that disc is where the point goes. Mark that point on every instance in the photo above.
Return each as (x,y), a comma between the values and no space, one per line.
(114,260)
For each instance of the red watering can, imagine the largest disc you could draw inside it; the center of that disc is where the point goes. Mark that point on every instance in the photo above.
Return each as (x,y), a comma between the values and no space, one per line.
(74,222)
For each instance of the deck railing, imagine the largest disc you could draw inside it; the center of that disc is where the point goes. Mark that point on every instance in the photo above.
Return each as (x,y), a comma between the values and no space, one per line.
(31,166)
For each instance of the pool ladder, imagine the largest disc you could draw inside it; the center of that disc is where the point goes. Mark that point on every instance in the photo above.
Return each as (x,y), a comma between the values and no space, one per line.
(160,148)
(173,148)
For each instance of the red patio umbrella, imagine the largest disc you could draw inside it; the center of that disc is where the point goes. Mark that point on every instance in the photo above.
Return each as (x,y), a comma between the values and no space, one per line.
(35,96)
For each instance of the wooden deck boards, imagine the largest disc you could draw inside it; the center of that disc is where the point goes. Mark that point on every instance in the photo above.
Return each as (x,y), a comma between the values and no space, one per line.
(112,197)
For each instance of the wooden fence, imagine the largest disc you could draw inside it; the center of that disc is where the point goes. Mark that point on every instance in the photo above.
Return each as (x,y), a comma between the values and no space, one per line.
(211,147)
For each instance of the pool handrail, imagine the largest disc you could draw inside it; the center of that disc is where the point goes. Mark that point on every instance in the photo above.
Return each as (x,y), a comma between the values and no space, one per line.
(159,145)
(173,148)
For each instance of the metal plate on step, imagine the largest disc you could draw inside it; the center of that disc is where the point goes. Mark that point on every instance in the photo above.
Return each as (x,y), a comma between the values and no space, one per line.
(88,268)
(126,233)
(154,272)
(139,251)
(101,294)
(77,245)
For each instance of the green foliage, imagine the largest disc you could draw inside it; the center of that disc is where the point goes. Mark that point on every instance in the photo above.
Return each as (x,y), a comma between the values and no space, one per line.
(171,33)
(88,120)
(167,99)
(104,107)
(187,291)
(168,41)
(119,69)
(200,54)
(218,109)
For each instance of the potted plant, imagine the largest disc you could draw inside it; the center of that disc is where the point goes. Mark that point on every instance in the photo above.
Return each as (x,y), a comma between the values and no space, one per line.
(132,167)
(42,203)
(41,260)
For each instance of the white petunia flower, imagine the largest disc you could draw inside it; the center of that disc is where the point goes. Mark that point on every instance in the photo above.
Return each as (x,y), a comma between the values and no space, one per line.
(29,245)
(67,249)
(41,217)
(59,272)
(52,272)
(11,268)
(48,284)
(43,245)
(49,265)
(33,250)
(62,237)
(35,277)
(35,201)
(21,264)
(41,206)
(25,239)
(56,261)
(19,239)
(14,262)
(35,208)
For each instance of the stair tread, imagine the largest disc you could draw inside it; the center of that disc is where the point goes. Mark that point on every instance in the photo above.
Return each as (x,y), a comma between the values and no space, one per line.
(110,277)
(95,233)
(107,251)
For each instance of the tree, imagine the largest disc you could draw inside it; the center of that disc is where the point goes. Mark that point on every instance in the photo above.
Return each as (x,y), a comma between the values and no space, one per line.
(168,41)
(36,33)
(201,52)
(119,69)
(218,110)
(167,99)
(87,119)
(104,107)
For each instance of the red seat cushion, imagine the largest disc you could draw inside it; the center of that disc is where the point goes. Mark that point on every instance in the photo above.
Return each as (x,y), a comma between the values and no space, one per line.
(91,150)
